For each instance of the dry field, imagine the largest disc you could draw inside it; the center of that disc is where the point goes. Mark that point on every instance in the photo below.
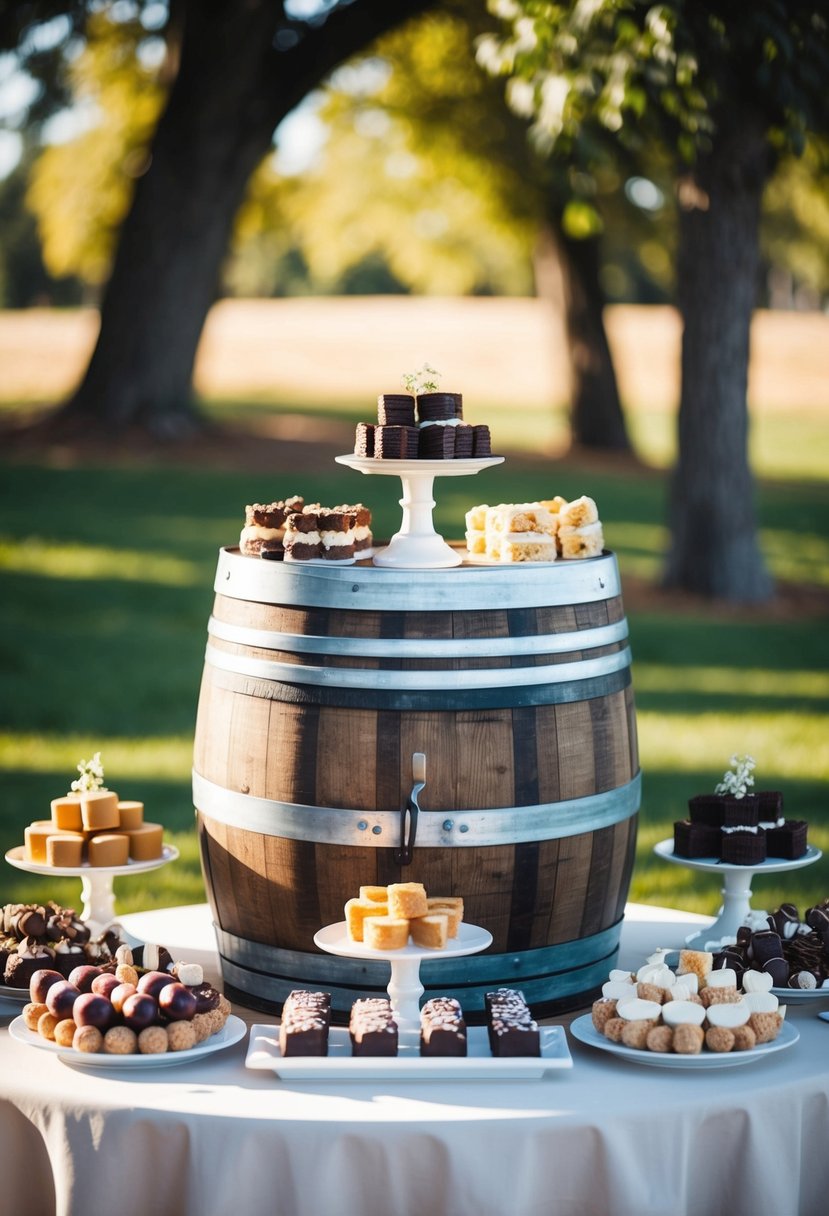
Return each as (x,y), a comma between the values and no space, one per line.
(497,351)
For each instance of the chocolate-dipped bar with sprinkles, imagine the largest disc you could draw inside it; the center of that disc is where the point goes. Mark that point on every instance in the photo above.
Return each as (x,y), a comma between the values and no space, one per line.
(372,1028)
(442,1028)
(510,1025)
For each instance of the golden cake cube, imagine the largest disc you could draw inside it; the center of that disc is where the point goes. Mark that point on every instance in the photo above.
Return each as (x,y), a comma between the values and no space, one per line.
(451,907)
(431,931)
(375,895)
(146,841)
(579,512)
(357,911)
(66,813)
(64,850)
(407,899)
(35,837)
(109,849)
(130,815)
(99,810)
(581,542)
(386,932)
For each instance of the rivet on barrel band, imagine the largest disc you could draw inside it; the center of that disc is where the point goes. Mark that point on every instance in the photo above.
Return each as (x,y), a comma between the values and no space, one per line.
(492,826)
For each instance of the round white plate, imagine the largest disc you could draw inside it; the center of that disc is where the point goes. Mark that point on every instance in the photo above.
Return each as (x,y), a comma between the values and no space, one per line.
(796,996)
(584,1030)
(17,857)
(233,1030)
(459,467)
(335,940)
(710,865)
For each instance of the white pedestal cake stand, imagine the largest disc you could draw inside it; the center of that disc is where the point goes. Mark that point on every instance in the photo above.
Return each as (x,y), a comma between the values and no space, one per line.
(405,988)
(98,908)
(736,889)
(417,546)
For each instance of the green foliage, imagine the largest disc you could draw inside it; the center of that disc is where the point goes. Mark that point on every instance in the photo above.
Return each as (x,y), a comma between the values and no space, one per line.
(795,229)
(81,190)
(627,64)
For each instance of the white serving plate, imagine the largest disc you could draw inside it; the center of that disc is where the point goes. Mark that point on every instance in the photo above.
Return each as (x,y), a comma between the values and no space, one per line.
(798,996)
(408,1064)
(584,1030)
(17,857)
(233,1030)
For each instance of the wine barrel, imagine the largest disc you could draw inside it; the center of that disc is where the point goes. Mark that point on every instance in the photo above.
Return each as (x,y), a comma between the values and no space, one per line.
(320,684)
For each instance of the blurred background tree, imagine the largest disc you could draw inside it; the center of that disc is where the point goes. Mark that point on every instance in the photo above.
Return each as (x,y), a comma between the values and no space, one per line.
(724,89)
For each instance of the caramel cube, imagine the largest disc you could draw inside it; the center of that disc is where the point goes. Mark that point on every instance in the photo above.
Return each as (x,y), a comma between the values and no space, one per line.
(146,841)
(109,849)
(449,906)
(430,931)
(407,899)
(375,895)
(130,815)
(357,911)
(64,850)
(386,932)
(35,837)
(66,813)
(99,810)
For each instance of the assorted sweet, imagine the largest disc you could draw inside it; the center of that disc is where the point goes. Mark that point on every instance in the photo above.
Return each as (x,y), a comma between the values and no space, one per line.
(421,424)
(442,1027)
(372,1028)
(735,826)
(535,531)
(697,1008)
(300,531)
(793,953)
(385,918)
(33,936)
(306,1021)
(510,1026)
(92,826)
(123,1008)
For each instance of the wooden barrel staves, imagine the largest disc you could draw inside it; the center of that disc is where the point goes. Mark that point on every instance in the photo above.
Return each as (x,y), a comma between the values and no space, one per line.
(321,682)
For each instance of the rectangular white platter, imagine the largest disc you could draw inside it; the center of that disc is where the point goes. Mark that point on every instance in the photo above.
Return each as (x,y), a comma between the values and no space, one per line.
(408,1064)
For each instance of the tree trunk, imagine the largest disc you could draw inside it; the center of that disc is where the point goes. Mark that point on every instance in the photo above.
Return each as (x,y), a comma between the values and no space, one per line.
(714,545)
(596,418)
(243,68)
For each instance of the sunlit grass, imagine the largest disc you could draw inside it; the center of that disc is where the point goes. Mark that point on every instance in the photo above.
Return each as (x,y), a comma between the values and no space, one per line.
(123,759)
(36,556)
(754,682)
(786,745)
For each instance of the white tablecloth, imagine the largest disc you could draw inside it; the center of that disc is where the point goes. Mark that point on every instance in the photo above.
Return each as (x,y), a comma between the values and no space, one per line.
(606,1138)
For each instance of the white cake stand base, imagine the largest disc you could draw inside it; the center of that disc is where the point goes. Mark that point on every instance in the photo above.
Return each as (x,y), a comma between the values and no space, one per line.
(417,546)
(736,888)
(404,988)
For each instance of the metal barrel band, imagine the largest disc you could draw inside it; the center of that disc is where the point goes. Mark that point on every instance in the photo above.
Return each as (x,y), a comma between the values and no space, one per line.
(420,648)
(436,828)
(371,588)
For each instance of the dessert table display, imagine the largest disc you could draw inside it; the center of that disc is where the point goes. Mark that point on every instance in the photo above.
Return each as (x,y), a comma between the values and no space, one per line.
(606,1136)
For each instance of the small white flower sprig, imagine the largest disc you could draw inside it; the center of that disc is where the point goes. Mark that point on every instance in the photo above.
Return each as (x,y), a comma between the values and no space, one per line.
(425,380)
(91,775)
(738,778)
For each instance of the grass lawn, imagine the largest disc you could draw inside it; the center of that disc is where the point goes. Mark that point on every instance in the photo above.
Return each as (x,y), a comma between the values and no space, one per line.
(107,574)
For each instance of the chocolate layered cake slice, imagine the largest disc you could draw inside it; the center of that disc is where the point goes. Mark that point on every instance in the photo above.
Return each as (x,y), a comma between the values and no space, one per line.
(364,439)
(395,442)
(742,846)
(436,443)
(361,526)
(481,441)
(439,407)
(696,840)
(265,525)
(464,440)
(336,528)
(787,840)
(302,537)
(396,409)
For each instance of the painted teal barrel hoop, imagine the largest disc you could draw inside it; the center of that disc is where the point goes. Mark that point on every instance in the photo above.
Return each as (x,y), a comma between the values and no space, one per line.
(437,699)
(372,588)
(548,974)
(420,648)
(485,826)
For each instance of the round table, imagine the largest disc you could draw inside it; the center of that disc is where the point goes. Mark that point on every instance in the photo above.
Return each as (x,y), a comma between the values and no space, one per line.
(606,1137)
